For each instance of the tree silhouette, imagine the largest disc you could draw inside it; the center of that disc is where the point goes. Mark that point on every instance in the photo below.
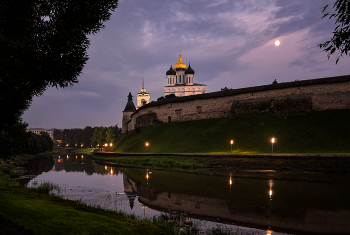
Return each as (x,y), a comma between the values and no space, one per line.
(341,36)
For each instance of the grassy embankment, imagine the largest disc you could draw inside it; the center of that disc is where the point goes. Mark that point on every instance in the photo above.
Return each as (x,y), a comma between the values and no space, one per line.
(312,132)
(298,133)
(28,211)
(64,150)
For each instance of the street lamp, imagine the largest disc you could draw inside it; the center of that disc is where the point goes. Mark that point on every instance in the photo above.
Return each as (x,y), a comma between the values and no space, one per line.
(272,141)
(147,145)
(231,145)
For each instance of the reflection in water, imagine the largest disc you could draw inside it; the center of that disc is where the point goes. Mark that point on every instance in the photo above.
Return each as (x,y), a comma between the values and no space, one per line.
(147,176)
(270,192)
(296,206)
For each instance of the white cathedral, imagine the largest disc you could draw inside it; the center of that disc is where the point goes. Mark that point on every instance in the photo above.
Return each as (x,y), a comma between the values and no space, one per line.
(180,81)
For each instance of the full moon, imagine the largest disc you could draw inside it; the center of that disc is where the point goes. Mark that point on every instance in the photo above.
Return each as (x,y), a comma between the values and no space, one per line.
(277,43)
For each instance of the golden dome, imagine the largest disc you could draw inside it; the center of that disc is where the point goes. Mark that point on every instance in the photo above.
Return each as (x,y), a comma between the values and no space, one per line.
(180,65)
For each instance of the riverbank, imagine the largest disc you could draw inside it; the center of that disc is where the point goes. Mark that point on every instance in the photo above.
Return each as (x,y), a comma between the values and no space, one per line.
(28,211)
(66,150)
(305,167)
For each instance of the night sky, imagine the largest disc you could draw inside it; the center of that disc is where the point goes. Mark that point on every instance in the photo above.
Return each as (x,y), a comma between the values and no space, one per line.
(229,44)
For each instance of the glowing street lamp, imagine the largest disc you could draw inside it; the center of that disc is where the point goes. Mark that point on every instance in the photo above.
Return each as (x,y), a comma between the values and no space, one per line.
(147,145)
(110,144)
(272,141)
(231,145)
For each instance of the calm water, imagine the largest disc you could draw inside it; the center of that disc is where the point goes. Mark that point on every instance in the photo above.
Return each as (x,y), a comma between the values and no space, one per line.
(263,206)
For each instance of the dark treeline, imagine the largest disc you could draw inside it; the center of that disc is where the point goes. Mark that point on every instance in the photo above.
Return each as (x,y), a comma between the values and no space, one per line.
(88,137)
(38,143)
(18,140)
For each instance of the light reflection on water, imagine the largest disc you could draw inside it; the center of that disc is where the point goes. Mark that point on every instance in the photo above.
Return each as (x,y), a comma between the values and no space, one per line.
(203,200)
(104,190)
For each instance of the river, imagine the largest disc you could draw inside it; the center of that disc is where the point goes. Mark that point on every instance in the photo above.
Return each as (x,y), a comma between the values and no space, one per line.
(262,206)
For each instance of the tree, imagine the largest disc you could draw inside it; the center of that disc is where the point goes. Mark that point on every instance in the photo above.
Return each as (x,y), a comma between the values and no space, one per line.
(170,96)
(57,134)
(13,139)
(99,136)
(43,44)
(88,131)
(38,143)
(226,89)
(341,36)
(47,141)
(110,135)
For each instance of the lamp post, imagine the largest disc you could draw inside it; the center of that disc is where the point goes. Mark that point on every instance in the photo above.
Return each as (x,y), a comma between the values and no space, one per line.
(231,145)
(272,141)
(147,145)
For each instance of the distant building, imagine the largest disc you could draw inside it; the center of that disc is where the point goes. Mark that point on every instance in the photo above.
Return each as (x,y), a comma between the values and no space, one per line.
(180,81)
(38,130)
(142,97)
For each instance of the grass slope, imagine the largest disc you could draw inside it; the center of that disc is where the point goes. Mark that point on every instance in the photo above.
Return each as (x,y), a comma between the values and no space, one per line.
(311,132)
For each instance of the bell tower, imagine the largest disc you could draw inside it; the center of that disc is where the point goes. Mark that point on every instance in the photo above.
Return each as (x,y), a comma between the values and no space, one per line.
(142,97)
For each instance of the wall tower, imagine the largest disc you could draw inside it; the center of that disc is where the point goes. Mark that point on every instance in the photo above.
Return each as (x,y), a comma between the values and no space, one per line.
(128,111)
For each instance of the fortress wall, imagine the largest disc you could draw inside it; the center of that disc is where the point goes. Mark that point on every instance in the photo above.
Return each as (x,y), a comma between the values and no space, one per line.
(331,96)
(316,97)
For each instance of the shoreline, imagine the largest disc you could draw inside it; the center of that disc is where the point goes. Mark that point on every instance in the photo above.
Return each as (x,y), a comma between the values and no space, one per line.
(313,168)
(235,155)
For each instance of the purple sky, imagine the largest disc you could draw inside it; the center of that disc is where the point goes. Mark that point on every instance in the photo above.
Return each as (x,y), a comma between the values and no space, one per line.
(229,44)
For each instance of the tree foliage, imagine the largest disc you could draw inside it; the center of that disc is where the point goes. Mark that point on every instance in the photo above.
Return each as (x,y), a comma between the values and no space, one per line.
(13,139)
(170,96)
(89,136)
(38,143)
(341,36)
(226,89)
(43,44)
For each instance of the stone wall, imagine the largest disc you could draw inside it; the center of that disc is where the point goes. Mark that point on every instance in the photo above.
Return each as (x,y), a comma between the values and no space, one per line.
(308,95)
